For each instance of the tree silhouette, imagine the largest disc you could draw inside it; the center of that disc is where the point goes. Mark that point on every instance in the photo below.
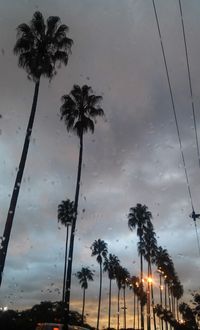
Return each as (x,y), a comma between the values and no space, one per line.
(148,248)
(84,275)
(110,264)
(66,217)
(138,217)
(41,49)
(99,249)
(79,111)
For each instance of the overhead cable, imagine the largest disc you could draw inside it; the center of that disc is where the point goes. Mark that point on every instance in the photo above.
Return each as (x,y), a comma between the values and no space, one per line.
(190,81)
(175,116)
(173,106)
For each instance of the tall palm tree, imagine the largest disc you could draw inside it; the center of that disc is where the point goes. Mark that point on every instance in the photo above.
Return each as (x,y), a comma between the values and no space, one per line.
(119,279)
(84,275)
(65,217)
(100,250)
(79,111)
(125,283)
(110,264)
(167,272)
(41,48)
(148,248)
(138,217)
(134,285)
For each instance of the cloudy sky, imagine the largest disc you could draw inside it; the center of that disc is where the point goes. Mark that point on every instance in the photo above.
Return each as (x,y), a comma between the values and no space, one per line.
(133,156)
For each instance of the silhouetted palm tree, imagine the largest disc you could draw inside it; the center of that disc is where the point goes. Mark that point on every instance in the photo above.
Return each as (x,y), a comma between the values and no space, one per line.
(110,264)
(134,281)
(119,279)
(125,283)
(148,248)
(79,110)
(66,217)
(177,292)
(99,249)
(84,276)
(138,217)
(40,48)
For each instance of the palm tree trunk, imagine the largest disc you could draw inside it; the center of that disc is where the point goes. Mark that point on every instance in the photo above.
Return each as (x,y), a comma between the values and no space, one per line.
(141,283)
(17,185)
(118,295)
(166,324)
(109,305)
(124,307)
(177,310)
(133,310)
(138,312)
(83,308)
(71,246)
(148,300)
(65,266)
(161,300)
(152,297)
(99,304)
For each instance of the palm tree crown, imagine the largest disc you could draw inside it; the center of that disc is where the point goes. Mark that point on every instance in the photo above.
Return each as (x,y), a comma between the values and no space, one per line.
(80,108)
(99,249)
(110,264)
(66,212)
(85,275)
(138,217)
(40,47)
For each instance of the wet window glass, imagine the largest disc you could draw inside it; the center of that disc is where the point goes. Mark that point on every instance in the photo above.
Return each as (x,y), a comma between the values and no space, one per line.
(100,164)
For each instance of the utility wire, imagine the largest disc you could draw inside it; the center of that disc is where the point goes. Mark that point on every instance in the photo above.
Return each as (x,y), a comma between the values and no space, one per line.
(192,102)
(174,111)
(190,81)
(173,105)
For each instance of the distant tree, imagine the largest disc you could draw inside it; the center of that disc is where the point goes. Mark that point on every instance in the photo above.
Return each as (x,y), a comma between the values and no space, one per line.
(84,275)
(188,322)
(79,111)
(110,264)
(41,49)
(148,248)
(122,279)
(134,286)
(138,217)
(125,283)
(66,217)
(100,250)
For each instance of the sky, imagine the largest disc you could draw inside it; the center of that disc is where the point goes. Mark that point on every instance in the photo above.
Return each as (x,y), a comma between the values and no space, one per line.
(132,157)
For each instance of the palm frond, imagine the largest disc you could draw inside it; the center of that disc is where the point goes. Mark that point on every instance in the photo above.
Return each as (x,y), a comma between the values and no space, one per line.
(38,25)
(52,24)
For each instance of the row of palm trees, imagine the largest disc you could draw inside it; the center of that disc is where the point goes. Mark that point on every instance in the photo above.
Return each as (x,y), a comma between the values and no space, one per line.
(170,288)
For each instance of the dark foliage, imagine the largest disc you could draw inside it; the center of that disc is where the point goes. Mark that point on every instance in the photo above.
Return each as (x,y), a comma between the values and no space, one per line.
(46,311)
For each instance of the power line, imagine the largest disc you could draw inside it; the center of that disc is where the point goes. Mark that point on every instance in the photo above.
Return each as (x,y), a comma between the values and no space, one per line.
(174,111)
(190,81)
(173,105)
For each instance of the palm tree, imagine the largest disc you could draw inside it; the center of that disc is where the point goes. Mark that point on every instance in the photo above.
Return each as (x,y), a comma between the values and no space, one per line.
(134,285)
(125,283)
(148,248)
(84,275)
(79,110)
(119,276)
(65,217)
(41,49)
(167,272)
(110,264)
(138,217)
(99,249)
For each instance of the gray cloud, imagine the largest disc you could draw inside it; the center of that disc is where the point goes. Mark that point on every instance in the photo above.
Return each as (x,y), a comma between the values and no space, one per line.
(132,157)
